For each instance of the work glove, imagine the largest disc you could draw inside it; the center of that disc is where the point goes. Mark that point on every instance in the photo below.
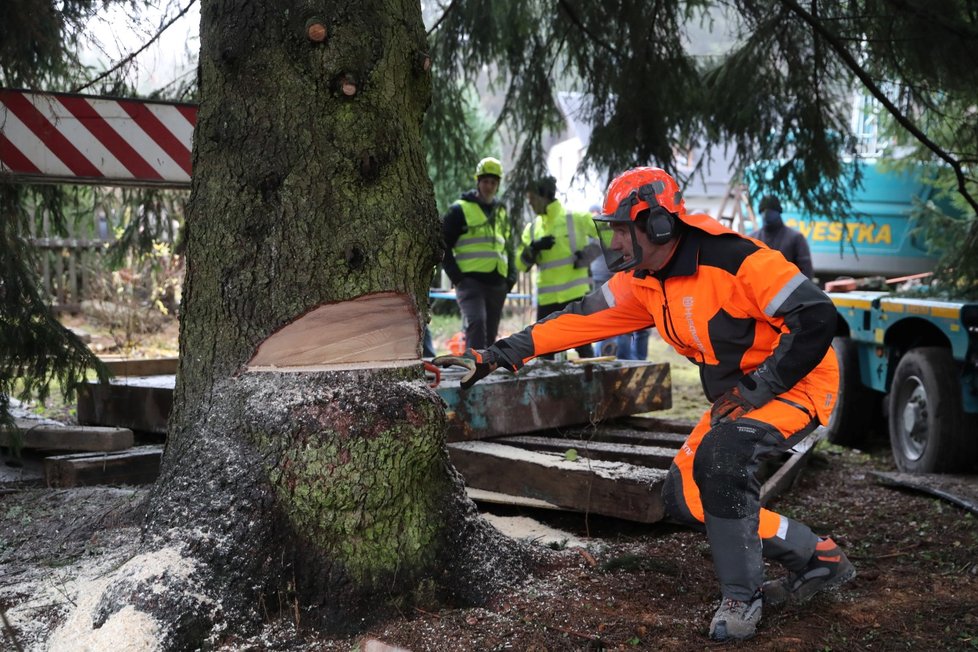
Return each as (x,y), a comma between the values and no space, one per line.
(729,407)
(544,243)
(479,362)
(585,256)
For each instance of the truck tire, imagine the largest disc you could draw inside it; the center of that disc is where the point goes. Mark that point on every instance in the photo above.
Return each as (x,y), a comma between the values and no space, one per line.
(928,427)
(858,409)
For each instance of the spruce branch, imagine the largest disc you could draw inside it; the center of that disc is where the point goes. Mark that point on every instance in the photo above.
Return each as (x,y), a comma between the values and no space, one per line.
(880,96)
(132,55)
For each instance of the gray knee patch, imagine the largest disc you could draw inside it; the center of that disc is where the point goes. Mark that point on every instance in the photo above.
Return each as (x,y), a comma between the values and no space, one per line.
(724,469)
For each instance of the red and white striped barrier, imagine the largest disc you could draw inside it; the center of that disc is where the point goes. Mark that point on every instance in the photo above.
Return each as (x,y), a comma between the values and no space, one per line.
(61,137)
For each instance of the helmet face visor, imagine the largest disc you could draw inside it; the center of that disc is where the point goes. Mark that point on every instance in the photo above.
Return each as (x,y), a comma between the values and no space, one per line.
(630,254)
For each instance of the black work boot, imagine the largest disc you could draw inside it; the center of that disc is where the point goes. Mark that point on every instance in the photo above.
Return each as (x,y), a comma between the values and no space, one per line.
(827,570)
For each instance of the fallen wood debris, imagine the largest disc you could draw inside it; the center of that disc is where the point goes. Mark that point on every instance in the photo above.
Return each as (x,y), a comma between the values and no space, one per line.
(66,438)
(960,490)
(139,465)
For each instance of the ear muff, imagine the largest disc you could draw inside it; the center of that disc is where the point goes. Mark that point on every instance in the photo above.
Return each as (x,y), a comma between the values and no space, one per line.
(660,225)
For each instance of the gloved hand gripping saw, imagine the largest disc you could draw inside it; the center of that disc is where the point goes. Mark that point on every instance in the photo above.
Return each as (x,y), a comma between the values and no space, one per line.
(479,362)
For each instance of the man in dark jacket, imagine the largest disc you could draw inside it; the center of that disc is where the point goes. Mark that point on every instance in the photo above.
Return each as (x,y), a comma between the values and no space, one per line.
(479,255)
(777,235)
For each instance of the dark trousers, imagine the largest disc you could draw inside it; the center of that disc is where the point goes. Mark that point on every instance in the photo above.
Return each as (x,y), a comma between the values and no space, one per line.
(482,307)
(586,351)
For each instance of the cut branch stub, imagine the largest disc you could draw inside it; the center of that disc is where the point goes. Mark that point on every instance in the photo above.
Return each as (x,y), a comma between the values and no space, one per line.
(376,330)
(348,85)
(315,30)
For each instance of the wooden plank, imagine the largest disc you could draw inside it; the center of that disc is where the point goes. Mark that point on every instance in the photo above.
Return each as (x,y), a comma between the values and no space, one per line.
(785,476)
(68,438)
(140,403)
(611,434)
(655,424)
(141,366)
(140,465)
(554,394)
(653,456)
(593,486)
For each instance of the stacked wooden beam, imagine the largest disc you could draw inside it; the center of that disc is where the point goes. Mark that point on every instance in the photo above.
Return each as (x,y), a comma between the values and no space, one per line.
(614,469)
(108,458)
(556,435)
(543,395)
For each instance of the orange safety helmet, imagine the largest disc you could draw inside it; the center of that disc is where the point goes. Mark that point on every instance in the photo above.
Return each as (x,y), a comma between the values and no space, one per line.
(638,189)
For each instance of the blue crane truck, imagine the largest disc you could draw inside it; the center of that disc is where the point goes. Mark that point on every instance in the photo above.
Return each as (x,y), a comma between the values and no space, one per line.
(908,366)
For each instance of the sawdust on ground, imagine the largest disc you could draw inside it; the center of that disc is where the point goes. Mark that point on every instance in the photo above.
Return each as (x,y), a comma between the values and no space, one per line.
(607,584)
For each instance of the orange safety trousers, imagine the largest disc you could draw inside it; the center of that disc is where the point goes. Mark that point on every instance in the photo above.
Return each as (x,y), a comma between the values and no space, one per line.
(786,418)
(721,462)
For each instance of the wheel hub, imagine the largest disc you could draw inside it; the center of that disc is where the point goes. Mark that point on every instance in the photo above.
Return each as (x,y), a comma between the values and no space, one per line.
(914,429)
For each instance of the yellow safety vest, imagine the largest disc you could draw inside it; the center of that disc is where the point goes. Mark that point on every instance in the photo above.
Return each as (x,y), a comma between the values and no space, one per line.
(482,247)
(558,281)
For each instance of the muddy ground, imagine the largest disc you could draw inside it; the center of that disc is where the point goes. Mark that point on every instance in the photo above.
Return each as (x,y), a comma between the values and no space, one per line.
(630,587)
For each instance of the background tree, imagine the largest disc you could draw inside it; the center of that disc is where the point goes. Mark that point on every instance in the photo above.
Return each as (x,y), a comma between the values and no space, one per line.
(780,93)
(455,142)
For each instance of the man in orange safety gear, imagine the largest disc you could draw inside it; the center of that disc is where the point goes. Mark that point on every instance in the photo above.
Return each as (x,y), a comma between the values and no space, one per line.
(760,332)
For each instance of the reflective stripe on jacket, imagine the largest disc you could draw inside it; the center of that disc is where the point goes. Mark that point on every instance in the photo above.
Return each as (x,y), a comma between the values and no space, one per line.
(736,309)
(482,247)
(558,279)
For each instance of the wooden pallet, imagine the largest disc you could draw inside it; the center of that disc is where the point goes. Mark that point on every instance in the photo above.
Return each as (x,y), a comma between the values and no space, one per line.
(612,470)
(52,436)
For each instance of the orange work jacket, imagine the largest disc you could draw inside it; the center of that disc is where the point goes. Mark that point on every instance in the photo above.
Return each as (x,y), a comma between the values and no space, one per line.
(738,310)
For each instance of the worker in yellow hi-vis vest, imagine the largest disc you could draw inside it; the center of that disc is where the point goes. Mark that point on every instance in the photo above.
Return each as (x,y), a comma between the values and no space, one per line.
(478,254)
(561,244)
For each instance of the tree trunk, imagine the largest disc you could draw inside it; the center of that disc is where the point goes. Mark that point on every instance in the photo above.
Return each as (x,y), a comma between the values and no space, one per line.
(316,493)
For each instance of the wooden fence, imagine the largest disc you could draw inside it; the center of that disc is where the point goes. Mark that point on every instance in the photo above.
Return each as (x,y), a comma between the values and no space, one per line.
(67,263)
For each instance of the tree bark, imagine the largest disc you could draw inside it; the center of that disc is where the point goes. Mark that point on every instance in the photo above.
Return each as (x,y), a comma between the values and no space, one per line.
(318,495)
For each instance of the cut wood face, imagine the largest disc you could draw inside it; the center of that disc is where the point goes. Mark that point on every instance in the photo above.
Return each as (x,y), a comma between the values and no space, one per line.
(376,330)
